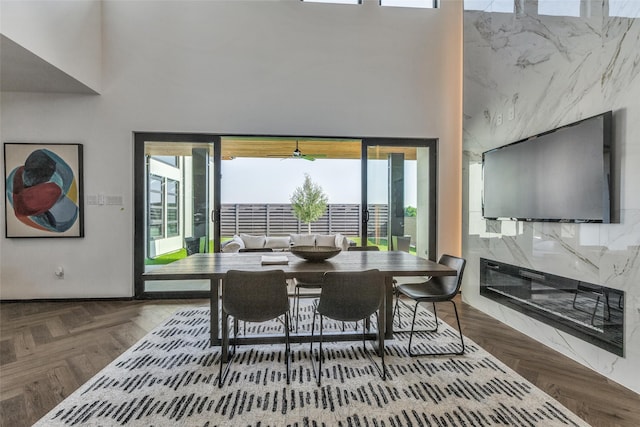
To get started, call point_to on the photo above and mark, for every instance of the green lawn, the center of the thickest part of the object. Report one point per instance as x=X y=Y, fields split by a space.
x=175 y=256
x=166 y=258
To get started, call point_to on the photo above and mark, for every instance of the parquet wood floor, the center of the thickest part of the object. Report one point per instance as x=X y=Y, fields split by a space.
x=48 y=349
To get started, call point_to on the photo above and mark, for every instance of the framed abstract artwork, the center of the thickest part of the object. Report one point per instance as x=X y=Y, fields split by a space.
x=43 y=190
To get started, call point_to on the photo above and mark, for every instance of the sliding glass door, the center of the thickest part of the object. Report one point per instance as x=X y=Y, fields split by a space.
x=175 y=206
x=399 y=185
x=194 y=191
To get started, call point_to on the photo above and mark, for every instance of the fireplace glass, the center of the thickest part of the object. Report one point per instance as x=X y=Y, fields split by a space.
x=588 y=311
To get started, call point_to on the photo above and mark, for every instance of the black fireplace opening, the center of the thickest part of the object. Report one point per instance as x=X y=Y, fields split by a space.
x=588 y=311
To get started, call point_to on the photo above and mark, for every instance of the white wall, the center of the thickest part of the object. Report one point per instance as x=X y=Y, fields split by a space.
x=66 y=34
x=263 y=67
x=553 y=70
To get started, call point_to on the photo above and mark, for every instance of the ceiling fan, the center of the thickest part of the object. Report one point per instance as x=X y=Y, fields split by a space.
x=297 y=154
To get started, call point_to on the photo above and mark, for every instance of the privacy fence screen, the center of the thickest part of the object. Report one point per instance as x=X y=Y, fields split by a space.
x=278 y=219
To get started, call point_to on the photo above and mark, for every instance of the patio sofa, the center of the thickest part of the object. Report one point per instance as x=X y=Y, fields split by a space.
x=283 y=243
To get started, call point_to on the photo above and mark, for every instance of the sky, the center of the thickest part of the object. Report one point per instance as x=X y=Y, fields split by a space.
x=247 y=180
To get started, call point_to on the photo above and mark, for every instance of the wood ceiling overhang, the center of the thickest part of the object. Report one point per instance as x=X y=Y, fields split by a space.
x=280 y=147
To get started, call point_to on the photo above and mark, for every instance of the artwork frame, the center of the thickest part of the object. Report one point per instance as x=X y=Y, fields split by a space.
x=44 y=196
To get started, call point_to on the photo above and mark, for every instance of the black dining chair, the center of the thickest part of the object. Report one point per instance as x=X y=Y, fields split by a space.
x=369 y=248
x=349 y=297
x=436 y=289
x=300 y=285
x=252 y=250
x=396 y=311
x=253 y=296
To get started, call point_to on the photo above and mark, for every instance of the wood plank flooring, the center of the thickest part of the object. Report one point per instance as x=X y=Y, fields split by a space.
x=48 y=349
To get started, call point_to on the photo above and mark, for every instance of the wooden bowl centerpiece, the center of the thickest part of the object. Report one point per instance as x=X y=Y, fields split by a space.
x=315 y=253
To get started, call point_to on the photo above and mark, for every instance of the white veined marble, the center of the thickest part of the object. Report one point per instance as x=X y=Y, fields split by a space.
x=546 y=70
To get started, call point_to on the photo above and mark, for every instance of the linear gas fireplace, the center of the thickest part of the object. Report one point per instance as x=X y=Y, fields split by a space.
x=591 y=312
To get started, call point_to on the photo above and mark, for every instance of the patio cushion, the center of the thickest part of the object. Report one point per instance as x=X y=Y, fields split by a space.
x=281 y=242
x=303 y=239
x=326 y=240
x=342 y=242
x=284 y=242
x=253 y=242
x=231 y=247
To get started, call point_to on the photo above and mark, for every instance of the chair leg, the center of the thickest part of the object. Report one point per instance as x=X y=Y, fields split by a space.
x=236 y=329
x=287 y=348
x=382 y=372
x=224 y=370
x=321 y=354
x=313 y=364
x=462 y=348
x=396 y=310
x=381 y=340
x=415 y=310
x=296 y=304
x=317 y=373
x=455 y=309
x=413 y=321
x=435 y=317
x=396 y=307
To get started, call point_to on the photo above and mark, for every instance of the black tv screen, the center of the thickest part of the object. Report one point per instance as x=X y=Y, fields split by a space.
x=562 y=175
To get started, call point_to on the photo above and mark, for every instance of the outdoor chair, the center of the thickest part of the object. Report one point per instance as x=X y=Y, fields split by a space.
x=436 y=289
x=363 y=248
x=253 y=296
x=349 y=297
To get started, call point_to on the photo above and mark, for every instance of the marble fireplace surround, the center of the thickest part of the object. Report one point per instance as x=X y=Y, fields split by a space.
x=527 y=73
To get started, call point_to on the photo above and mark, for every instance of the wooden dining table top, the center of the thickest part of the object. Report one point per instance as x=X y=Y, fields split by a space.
x=216 y=265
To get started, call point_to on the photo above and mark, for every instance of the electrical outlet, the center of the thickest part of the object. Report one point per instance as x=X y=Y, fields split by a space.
x=59 y=272
x=512 y=113
x=499 y=119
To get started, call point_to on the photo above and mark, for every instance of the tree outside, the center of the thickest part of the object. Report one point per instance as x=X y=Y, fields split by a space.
x=309 y=202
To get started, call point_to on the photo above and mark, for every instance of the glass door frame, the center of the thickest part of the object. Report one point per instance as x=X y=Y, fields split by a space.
x=140 y=208
x=432 y=144
x=140 y=198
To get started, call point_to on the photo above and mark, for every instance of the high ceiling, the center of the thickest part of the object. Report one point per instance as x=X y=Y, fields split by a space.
x=23 y=71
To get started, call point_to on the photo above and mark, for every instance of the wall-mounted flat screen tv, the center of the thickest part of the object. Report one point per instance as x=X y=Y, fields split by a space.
x=563 y=175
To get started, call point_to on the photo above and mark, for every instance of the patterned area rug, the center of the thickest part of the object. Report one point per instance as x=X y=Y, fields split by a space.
x=170 y=378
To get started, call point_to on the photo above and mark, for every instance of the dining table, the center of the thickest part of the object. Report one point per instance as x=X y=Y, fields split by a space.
x=214 y=267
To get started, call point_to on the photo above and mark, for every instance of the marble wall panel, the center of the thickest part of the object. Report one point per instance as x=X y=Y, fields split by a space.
x=549 y=71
